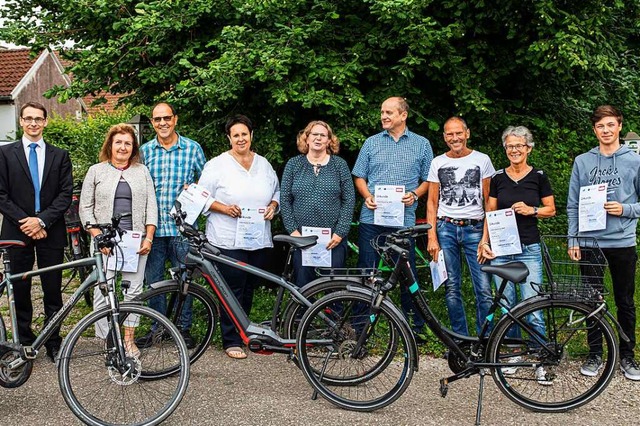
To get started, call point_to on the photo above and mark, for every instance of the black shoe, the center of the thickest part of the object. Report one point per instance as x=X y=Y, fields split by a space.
x=188 y=340
x=152 y=337
x=52 y=353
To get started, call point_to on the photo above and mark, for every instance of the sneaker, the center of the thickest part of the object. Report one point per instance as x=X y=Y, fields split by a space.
x=188 y=340
x=630 y=368
x=511 y=370
x=153 y=336
x=542 y=376
x=591 y=366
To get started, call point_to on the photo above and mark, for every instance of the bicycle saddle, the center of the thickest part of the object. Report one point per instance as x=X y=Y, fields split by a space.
x=11 y=243
x=515 y=272
x=298 y=242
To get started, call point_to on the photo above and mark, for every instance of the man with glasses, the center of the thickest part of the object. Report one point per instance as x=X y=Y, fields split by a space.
x=36 y=185
x=394 y=157
x=174 y=162
x=458 y=190
x=617 y=166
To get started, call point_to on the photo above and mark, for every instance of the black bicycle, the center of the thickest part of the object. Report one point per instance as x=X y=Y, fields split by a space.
x=104 y=379
x=77 y=243
x=537 y=370
x=387 y=362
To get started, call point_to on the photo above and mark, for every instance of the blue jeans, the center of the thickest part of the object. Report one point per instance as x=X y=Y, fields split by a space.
x=173 y=249
x=305 y=274
x=532 y=257
x=454 y=240
x=369 y=258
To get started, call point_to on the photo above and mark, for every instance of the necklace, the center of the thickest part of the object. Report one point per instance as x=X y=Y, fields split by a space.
x=317 y=163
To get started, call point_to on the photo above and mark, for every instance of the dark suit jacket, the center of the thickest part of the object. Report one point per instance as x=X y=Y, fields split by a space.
x=17 y=193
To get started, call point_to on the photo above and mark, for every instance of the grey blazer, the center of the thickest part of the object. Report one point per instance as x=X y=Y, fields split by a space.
x=99 y=191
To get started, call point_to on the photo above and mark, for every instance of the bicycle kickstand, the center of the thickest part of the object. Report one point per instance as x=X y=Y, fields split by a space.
x=480 y=389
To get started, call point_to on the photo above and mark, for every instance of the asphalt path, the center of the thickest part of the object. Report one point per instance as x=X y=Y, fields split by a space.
x=268 y=390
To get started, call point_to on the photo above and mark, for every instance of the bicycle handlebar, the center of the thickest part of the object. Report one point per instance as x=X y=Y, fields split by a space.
x=194 y=235
x=109 y=231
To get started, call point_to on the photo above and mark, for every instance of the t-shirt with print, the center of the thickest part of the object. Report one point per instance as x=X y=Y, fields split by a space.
x=530 y=190
x=460 y=182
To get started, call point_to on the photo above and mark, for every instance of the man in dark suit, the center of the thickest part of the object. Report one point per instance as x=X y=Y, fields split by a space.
x=36 y=185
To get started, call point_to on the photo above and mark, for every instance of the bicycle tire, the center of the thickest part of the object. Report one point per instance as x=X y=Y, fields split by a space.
x=96 y=391
x=347 y=381
x=315 y=290
x=205 y=313
x=563 y=387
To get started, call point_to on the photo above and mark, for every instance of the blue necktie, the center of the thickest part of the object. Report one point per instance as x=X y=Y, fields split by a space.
x=35 y=176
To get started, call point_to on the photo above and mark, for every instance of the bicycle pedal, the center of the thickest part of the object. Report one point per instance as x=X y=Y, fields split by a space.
x=29 y=352
x=444 y=387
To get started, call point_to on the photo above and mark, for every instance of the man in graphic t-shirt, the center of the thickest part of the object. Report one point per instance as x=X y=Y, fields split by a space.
x=458 y=189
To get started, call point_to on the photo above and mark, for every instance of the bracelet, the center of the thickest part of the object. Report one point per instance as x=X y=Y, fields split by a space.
x=150 y=241
x=486 y=243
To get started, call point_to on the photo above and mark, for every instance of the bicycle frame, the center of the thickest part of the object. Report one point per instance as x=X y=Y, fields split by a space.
x=248 y=330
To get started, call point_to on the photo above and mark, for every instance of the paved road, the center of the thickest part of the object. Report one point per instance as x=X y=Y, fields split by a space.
x=266 y=390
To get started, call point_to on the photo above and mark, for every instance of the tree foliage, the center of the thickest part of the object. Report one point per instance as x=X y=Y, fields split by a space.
x=544 y=64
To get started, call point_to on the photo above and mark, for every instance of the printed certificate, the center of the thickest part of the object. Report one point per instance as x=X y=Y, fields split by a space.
x=193 y=200
x=591 y=213
x=503 y=232
x=390 y=210
x=317 y=255
x=438 y=271
x=250 y=228
x=127 y=261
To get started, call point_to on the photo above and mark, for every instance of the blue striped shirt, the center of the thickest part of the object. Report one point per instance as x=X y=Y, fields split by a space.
x=171 y=170
x=383 y=161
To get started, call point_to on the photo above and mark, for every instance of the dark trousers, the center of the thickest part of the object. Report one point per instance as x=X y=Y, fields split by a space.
x=242 y=284
x=622 y=265
x=22 y=260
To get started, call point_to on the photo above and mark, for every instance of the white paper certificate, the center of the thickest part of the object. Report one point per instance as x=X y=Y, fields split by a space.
x=317 y=255
x=591 y=213
x=503 y=232
x=390 y=210
x=250 y=228
x=438 y=271
x=193 y=200
x=127 y=261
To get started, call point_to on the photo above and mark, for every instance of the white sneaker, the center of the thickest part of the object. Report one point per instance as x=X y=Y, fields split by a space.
x=511 y=370
x=541 y=376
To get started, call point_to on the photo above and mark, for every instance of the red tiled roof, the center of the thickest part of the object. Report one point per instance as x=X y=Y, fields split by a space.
x=14 y=64
x=112 y=101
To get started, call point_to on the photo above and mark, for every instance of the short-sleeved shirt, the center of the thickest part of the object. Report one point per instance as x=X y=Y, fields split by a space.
x=171 y=169
x=230 y=183
x=383 y=161
x=460 y=182
x=531 y=189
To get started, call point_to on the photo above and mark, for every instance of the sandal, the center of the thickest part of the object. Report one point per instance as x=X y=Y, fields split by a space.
x=235 y=352
x=131 y=349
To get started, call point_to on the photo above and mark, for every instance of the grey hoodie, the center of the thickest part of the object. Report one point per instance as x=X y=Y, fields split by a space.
x=622 y=171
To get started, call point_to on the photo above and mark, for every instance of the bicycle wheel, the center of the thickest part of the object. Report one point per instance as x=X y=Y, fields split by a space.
x=378 y=373
x=559 y=386
x=293 y=311
x=204 y=310
x=100 y=390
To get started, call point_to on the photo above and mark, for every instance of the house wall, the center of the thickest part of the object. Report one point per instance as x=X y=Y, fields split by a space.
x=47 y=76
x=7 y=122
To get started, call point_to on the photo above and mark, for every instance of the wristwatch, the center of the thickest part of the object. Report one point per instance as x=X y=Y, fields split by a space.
x=415 y=196
x=41 y=222
x=535 y=212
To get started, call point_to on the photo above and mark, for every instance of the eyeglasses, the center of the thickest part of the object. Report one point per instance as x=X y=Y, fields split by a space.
x=518 y=147
x=37 y=120
x=166 y=118
x=319 y=135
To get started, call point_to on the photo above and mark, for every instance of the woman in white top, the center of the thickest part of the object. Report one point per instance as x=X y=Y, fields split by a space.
x=242 y=184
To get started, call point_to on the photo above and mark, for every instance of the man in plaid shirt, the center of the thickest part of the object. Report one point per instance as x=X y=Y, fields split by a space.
x=174 y=162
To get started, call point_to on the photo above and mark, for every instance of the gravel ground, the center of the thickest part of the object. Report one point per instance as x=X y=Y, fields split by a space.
x=266 y=390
